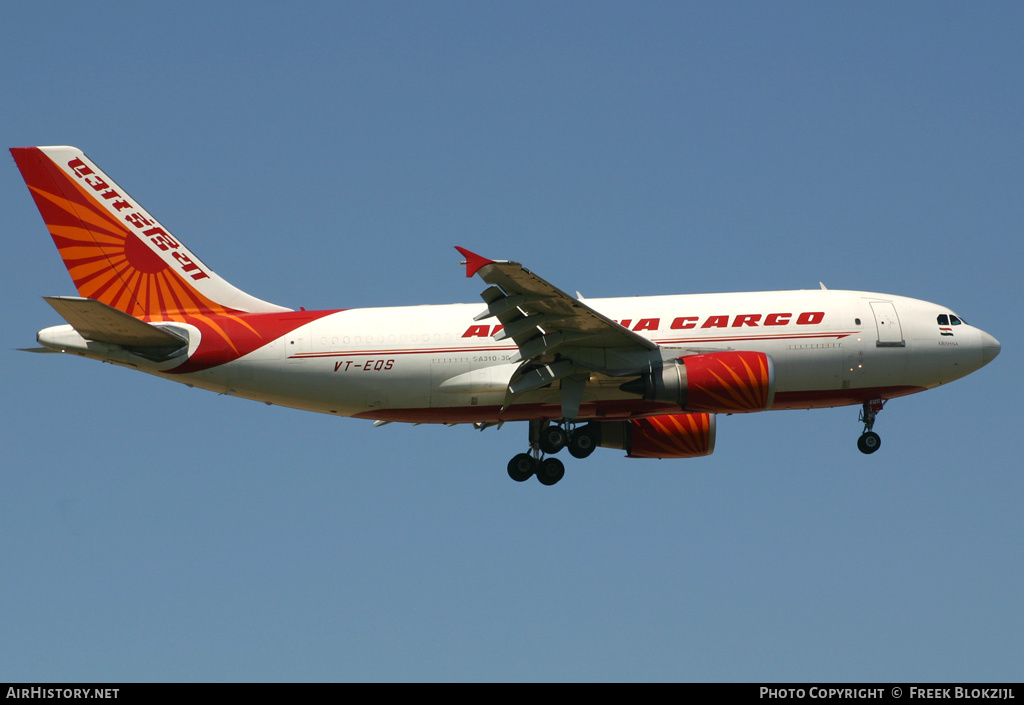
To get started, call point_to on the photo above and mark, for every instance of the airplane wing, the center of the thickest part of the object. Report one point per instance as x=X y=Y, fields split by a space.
x=558 y=337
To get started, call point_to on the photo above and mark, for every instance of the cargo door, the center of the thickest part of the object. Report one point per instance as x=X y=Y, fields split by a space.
x=890 y=334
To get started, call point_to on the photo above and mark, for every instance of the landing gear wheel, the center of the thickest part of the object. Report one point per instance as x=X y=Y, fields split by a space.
x=522 y=467
x=552 y=439
x=550 y=471
x=869 y=442
x=582 y=442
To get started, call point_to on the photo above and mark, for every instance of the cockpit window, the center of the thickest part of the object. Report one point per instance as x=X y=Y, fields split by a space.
x=954 y=320
x=943 y=319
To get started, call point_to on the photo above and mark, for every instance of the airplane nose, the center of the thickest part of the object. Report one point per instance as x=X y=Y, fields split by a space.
x=989 y=348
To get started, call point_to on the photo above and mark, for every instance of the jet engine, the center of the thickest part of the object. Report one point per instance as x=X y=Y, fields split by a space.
x=666 y=436
x=720 y=382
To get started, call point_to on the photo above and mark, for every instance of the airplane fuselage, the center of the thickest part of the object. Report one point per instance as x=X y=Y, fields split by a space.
x=434 y=363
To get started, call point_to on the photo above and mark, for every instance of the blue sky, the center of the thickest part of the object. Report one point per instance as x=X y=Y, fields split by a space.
x=331 y=154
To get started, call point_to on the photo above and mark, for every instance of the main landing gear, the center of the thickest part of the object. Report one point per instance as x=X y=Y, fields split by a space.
x=548 y=439
x=869 y=441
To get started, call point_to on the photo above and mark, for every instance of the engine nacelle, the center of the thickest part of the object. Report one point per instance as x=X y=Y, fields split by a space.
x=720 y=382
x=666 y=436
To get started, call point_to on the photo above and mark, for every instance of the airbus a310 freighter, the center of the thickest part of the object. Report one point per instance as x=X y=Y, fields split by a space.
x=646 y=374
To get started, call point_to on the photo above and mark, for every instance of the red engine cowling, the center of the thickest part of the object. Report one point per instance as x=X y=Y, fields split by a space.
x=666 y=436
x=727 y=382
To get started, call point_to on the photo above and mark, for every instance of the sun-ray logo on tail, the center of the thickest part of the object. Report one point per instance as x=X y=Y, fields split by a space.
x=117 y=253
x=106 y=255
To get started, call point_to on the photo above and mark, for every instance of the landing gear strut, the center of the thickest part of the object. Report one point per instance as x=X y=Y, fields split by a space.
x=869 y=441
x=546 y=439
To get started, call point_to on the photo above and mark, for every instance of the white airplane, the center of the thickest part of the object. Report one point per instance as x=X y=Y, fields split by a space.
x=646 y=374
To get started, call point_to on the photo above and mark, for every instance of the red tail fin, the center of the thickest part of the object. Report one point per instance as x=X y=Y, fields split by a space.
x=114 y=250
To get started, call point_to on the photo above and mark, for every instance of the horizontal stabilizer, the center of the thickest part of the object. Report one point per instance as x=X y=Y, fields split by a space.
x=94 y=320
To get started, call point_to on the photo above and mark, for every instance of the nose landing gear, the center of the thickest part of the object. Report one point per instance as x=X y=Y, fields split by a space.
x=869 y=441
